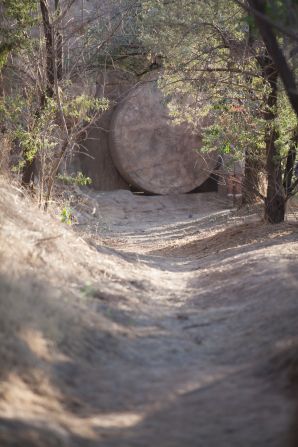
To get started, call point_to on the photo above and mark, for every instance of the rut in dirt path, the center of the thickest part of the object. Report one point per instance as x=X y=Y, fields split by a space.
x=216 y=304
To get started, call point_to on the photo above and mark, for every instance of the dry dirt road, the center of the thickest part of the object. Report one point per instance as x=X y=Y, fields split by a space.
x=167 y=322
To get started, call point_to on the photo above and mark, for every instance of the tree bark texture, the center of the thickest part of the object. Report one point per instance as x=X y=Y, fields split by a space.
x=290 y=164
x=251 y=181
x=275 y=201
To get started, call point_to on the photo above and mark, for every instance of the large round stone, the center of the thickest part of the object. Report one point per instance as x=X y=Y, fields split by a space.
x=152 y=153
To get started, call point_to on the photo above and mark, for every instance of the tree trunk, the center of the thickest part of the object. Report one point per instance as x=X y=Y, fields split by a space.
x=275 y=202
x=251 y=181
x=30 y=166
x=28 y=174
x=259 y=10
x=290 y=164
x=54 y=173
x=50 y=51
x=59 y=44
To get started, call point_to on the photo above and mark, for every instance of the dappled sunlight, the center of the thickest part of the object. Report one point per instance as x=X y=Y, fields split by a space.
x=42 y=405
x=40 y=346
x=115 y=420
x=29 y=398
x=206 y=378
x=214 y=241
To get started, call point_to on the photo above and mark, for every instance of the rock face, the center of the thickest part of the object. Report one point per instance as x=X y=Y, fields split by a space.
x=152 y=153
x=95 y=157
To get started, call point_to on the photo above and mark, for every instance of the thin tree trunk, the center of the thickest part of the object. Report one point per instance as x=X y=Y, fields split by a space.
x=50 y=51
x=30 y=166
x=54 y=173
x=251 y=181
x=59 y=45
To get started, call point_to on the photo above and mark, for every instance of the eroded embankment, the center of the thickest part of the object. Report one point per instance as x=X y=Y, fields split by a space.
x=159 y=321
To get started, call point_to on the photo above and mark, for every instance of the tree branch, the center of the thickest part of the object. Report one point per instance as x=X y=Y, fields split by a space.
x=273 y=48
x=266 y=19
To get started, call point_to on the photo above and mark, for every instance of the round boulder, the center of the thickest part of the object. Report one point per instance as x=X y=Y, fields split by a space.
x=150 y=151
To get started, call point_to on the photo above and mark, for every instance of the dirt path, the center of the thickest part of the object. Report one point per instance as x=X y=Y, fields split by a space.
x=184 y=335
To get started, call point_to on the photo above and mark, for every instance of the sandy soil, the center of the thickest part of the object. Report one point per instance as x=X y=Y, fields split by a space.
x=154 y=321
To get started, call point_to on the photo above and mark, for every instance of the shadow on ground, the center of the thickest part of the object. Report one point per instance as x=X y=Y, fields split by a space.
x=71 y=380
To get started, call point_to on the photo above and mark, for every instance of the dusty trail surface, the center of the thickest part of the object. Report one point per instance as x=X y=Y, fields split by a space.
x=168 y=322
